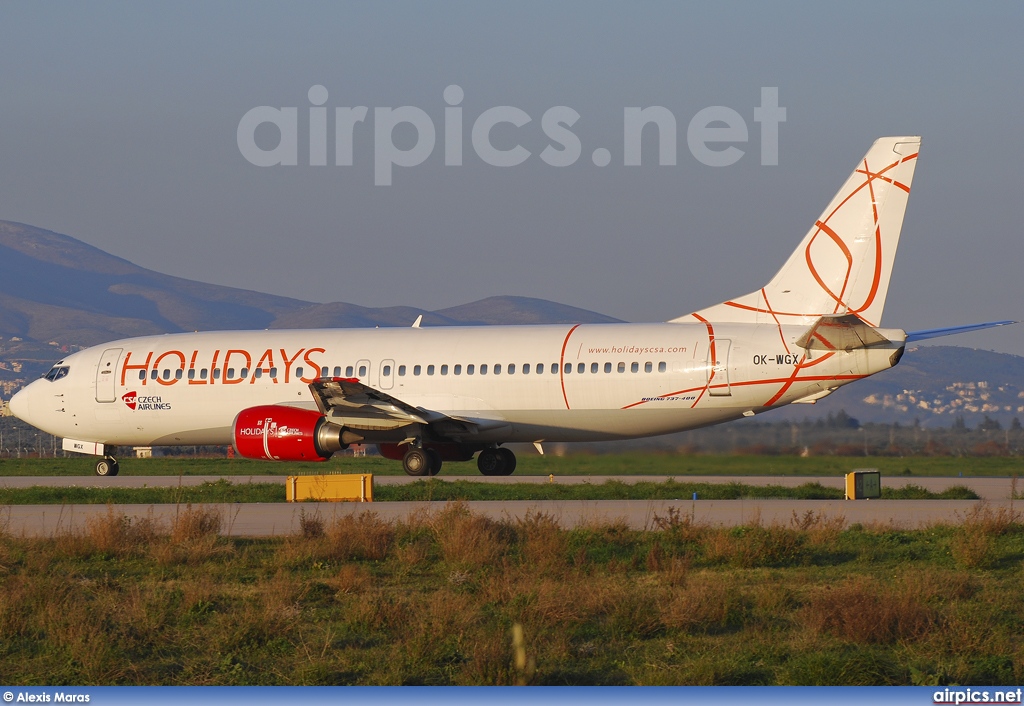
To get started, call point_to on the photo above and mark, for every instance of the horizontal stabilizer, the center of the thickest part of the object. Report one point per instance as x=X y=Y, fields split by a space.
x=840 y=332
x=937 y=332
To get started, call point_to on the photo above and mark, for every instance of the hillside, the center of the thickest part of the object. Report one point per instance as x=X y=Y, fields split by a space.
x=56 y=288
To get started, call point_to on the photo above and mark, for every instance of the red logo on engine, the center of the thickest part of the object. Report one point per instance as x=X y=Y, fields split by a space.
x=129 y=399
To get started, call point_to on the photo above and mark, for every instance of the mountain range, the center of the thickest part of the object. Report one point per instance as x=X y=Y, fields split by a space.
x=58 y=294
x=54 y=287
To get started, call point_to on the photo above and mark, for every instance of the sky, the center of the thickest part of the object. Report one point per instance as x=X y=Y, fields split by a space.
x=120 y=126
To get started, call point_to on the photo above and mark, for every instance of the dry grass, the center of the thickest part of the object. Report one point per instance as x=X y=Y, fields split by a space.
x=435 y=600
x=195 y=524
x=865 y=610
x=974 y=543
x=111 y=534
x=363 y=536
x=468 y=539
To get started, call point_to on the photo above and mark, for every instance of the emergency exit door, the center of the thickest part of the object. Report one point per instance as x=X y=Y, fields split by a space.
x=106 y=375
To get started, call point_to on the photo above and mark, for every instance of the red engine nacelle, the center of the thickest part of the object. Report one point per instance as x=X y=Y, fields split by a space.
x=279 y=433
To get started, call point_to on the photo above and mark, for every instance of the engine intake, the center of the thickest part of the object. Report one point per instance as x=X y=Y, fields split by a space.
x=279 y=433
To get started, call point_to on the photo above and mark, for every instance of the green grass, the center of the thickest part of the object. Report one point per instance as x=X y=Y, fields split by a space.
x=532 y=464
x=437 y=599
x=222 y=491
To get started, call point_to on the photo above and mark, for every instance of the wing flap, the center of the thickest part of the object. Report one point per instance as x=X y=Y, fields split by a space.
x=350 y=403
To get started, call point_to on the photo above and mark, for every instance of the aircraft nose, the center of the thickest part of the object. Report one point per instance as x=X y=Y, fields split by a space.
x=19 y=405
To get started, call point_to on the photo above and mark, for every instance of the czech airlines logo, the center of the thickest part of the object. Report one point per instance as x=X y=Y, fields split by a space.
x=134 y=402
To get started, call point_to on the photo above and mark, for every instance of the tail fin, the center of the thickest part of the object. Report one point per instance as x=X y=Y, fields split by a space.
x=844 y=262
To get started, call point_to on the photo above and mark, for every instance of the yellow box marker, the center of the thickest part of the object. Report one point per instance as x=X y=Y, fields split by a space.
x=356 y=487
x=863 y=484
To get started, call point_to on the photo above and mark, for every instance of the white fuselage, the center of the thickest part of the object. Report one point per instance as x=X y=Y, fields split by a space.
x=515 y=383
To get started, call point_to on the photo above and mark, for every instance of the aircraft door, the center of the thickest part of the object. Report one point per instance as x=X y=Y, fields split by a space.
x=718 y=369
x=106 y=375
x=387 y=374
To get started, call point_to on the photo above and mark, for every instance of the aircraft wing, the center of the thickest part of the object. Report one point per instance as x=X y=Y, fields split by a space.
x=348 y=402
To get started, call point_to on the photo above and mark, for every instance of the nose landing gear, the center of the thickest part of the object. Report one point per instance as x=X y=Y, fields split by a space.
x=107 y=466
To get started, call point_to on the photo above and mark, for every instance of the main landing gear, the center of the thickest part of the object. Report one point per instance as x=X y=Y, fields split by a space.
x=421 y=462
x=496 y=462
x=107 y=466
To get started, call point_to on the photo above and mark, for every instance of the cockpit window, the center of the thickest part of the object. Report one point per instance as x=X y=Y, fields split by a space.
x=57 y=372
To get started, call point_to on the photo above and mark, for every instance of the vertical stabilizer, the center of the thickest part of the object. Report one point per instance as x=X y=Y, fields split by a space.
x=843 y=264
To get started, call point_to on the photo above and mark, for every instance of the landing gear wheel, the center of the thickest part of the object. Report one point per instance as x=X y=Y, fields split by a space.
x=435 y=461
x=508 y=461
x=496 y=462
x=489 y=462
x=417 y=462
x=107 y=466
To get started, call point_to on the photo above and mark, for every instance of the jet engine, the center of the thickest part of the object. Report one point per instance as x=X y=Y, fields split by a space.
x=279 y=433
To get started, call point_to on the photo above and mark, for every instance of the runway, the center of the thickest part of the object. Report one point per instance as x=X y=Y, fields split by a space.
x=278 y=519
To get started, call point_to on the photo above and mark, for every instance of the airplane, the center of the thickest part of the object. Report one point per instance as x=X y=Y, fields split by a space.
x=425 y=395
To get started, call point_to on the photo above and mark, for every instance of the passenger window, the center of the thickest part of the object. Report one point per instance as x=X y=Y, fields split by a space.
x=483 y=369
x=273 y=372
x=607 y=367
x=245 y=373
x=216 y=373
x=401 y=371
x=191 y=373
x=257 y=373
x=231 y=373
x=444 y=369
x=298 y=372
x=621 y=367
x=593 y=367
x=470 y=369
x=497 y=368
x=648 y=367
x=662 y=367
x=349 y=371
x=387 y=370
x=511 y=368
x=416 y=369
x=634 y=368
x=430 y=370
x=526 y=368
x=323 y=372
x=458 y=369
x=202 y=374
x=166 y=374
x=337 y=371
x=177 y=374
x=581 y=368
x=142 y=375
x=554 y=368
x=154 y=374
x=362 y=371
